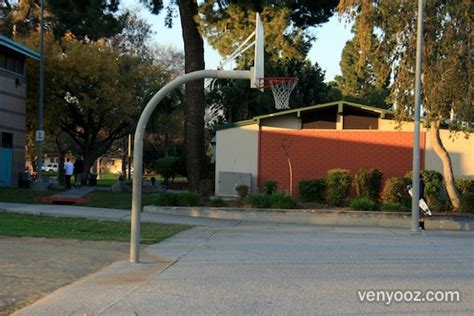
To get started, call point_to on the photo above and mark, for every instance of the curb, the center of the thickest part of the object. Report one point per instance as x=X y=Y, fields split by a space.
x=455 y=222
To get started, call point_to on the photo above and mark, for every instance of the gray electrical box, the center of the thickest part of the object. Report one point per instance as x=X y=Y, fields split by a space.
x=228 y=181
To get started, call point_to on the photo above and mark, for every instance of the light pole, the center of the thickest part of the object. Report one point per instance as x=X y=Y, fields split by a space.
x=40 y=132
x=416 y=141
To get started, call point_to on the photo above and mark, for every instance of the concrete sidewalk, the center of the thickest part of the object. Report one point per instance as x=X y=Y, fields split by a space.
x=276 y=269
x=108 y=214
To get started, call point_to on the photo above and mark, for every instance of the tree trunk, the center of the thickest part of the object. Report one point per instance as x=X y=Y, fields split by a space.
x=61 y=153
x=194 y=94
x=443 y=155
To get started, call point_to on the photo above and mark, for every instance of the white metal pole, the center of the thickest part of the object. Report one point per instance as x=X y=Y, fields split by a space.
x=416 y=141
x=138 y=144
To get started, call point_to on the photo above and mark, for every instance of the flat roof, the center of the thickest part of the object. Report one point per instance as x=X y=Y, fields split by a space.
x=340 y=104
x=19 y=48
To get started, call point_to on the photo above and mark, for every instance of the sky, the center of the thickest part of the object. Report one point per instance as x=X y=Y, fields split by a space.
x=326 y=51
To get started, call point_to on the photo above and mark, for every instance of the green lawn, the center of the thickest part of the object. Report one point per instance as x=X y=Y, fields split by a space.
x=20 y=225
x=21 y=195
x=118 y=200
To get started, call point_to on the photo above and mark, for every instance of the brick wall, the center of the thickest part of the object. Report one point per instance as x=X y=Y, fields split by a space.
x=313 y=152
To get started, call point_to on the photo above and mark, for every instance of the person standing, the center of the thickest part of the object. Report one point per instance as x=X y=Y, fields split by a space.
x=68 y=172
x=78 y=171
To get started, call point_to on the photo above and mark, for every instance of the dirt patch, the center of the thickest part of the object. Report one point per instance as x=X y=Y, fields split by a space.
x=30 y=268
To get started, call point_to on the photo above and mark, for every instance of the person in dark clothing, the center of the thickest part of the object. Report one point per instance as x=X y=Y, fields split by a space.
x=78 y=171
x=421 y=219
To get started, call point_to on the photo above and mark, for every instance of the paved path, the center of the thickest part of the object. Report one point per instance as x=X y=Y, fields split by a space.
x=108 y=214
x=74 y=192
x=271 y=269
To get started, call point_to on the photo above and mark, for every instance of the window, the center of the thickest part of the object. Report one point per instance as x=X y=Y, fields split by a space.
x=3 y=61
x=11 y=63
x=7 y=140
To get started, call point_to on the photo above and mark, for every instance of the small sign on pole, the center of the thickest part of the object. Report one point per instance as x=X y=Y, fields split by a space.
x=40 y=136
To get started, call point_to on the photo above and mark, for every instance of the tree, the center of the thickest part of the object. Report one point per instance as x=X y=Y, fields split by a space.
x=447 y=70
x=305 y=13
x=93 y=19
x=241 y=102
x=358 y=81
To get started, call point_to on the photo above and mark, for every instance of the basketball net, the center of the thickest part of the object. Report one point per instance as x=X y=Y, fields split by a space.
x=281 y=88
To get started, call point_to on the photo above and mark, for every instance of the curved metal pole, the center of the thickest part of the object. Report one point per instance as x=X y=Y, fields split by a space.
x=138 y=145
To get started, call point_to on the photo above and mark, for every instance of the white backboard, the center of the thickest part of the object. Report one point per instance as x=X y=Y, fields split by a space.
x=259 y=61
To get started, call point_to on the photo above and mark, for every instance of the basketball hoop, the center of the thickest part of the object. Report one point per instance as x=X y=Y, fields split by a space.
x=281 y=88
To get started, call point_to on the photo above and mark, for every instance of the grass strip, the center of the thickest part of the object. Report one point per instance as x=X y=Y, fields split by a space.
x=117 y=200
x=21 y=225
x=22 y=195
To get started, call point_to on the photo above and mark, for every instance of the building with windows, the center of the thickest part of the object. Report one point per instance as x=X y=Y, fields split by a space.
x=12 y=108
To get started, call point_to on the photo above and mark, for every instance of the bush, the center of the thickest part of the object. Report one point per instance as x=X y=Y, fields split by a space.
x=258 y=200
x=167 y=167
x=270 y=186
x=206 y=189
x=218 y=202
x=363 y=203
x=367 y=183
x=435 y=193
x=393 y=190
x=312 y=190
x=283 y=200
x=465 y=186
x=280 y=200
x=394 y=207
x=242 y=190
x=467 y=203
x=338 y=186
x=177 y=199
x=166 y=199
x=188 y=199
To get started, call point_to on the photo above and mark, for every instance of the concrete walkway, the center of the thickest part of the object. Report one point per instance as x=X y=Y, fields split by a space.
x=74 y=192
x=275 y=269
x=108 y=214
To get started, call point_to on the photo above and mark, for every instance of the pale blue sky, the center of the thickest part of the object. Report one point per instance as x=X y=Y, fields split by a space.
x=326 y=50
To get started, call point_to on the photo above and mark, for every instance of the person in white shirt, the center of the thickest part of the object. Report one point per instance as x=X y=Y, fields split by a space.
x=68 y=172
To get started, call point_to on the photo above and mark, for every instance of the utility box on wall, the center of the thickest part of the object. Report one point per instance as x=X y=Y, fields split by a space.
x=228 y=181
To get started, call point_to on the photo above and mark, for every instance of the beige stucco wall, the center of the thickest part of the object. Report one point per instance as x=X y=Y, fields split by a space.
x=461 y=150
x=237 y=151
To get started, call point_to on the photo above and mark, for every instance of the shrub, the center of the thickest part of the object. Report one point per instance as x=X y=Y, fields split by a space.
x=393 y=207
x=367 y=183
x=283 y=200
x=393 y=190
x=258 y=200
x=363 y=203
x=177 y=199
x=166 y=199
x=270 y=186
x=279 y=200
x=465 y=186
x=188 y=199
x=206 y=189
x=167 y=167
x=242 y=190
x=467 y=203
x=435 y=193
x=338 y=186
x=218 y=202
x=312 y=190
